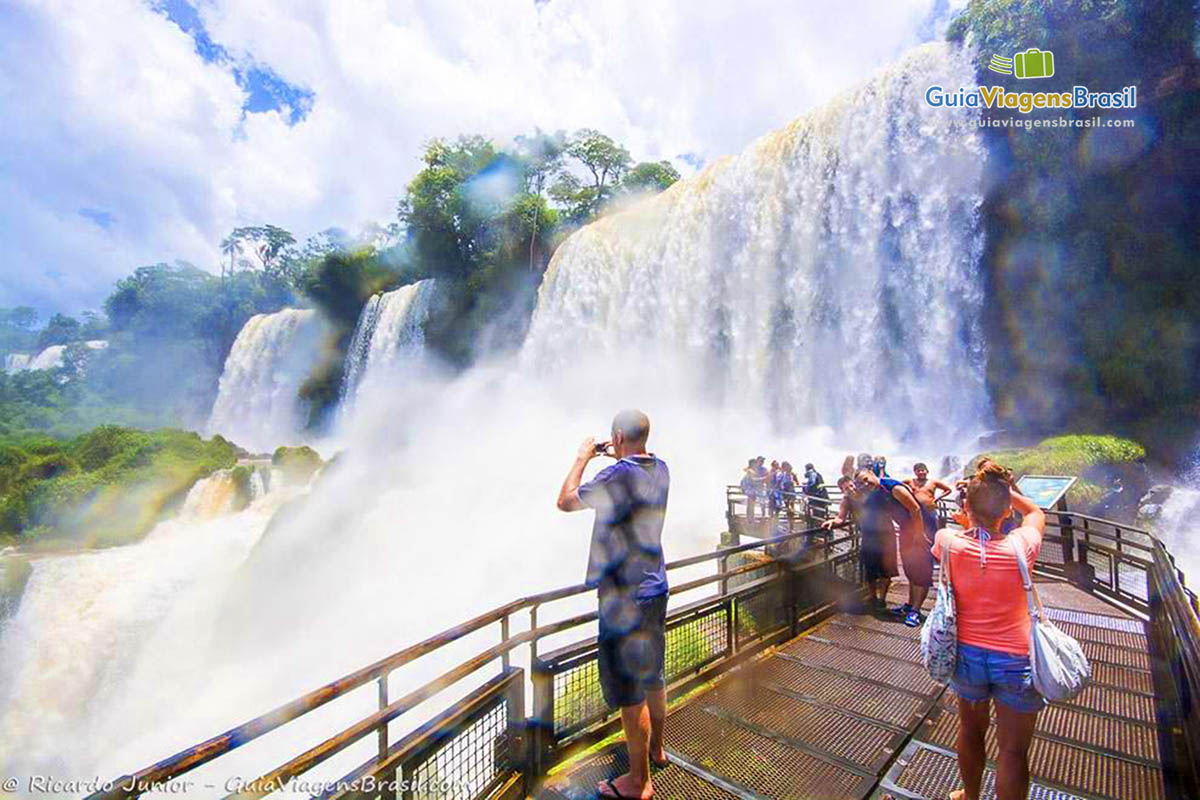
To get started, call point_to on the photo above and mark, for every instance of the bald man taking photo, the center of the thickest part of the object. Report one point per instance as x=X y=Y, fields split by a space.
x=625 y=564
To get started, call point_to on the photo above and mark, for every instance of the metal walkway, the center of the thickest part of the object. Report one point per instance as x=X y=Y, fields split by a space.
x=846 y=711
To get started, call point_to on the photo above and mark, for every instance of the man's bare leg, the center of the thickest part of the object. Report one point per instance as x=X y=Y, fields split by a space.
x=635 y=721
x=881 y=589
x=656 y=701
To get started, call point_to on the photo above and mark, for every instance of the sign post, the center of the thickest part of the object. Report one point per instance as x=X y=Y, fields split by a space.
x=1050 y=493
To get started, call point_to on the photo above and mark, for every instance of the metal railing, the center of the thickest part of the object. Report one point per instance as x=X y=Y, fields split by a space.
x=485 y=744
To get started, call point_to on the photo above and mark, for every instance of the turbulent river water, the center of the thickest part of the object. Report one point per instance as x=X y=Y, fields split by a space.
x=818 y=293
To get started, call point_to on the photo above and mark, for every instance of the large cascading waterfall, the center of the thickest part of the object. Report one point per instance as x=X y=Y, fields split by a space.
x=828 y=274
x=389 y=337
x=258 y=404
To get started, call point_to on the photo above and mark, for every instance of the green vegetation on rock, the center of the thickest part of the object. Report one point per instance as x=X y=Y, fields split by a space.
x=108 y=486
x=1097 y=460
x=296 y=463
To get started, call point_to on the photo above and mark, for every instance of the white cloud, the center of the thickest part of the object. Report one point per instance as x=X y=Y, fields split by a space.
x=108 y=107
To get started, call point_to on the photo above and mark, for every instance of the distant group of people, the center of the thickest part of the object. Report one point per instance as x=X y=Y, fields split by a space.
x=776 y=489
x=627 y=567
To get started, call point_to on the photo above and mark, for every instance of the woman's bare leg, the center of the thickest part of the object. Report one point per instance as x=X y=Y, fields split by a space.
x=973 y=724
x=1014 y=732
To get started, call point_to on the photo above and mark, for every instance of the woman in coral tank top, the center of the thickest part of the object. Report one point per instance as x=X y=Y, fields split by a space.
x=993 y=630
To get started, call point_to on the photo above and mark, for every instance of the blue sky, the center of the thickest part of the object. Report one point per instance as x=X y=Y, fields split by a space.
x=139 y=131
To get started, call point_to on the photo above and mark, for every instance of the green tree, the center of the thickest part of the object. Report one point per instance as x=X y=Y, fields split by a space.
x=17 y=333
x=579 y=202
x=271 y=246
x=95 y=326
x=601 y=156
x=61 y=329
x=542 y=156
x=20 y=317
x=650 y=176
x=446 y=226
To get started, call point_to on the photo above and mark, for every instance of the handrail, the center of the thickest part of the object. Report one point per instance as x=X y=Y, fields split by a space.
x=184 y=761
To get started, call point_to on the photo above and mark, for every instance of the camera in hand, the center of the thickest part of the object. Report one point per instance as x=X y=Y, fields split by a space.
x=601 y=448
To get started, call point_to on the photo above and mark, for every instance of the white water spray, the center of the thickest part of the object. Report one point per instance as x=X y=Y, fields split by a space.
x=258 y=404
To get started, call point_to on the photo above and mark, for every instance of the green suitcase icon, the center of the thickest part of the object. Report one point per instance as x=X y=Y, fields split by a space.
x=1034 y=63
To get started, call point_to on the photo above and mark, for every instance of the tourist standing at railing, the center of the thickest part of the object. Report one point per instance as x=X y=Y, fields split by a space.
x=772 y=490
x=626 y=565
x=851 y=507
x=786 y=489
x=749 y=485
x=814 y=489
x=993 y=626
x=890 y=503
x=914 y=548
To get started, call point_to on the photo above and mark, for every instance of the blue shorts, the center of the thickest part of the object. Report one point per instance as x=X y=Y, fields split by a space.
x=980 y=673
x=631 y=658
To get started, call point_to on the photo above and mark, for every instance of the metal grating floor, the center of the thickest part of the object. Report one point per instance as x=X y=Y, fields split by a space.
x=925 y=773
x=672 y=783
x=846 y=711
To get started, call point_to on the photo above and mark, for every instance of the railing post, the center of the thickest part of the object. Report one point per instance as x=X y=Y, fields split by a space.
x=504 y=659
x=540 y=725
x=731 y=626
x=382 y=686
x=1066 y=528
x=516 y=744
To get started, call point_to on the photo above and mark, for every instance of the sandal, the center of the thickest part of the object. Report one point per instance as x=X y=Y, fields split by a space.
x=615 y=792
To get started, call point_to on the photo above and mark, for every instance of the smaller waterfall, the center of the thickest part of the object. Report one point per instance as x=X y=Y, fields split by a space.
x=258 y=404
x=390 y=335
x=51 y=357
x=15 y=362
x=224 y=492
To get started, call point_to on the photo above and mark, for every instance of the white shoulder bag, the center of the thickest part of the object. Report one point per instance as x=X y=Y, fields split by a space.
x=1060 y=669
x=939 y=635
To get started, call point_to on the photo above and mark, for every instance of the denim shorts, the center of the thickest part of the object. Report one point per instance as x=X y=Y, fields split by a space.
x=980 y=673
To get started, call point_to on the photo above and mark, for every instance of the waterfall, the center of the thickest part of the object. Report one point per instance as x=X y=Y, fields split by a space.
x=15 y=362
x=827 y=275
x=90 y=624
x=389 y=336
x=51 y=357
x=258 y=404
x=220 y=493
